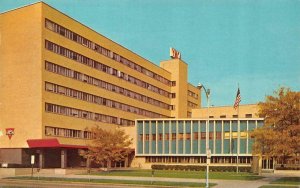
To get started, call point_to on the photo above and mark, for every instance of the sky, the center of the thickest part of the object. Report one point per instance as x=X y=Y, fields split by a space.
x=253 y=44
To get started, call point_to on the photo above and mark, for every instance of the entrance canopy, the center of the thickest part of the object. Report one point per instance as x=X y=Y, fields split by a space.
x=51 y=143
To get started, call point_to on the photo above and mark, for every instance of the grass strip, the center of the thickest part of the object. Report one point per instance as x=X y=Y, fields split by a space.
x=287 y=181
x=127 y=182
x=181 y=174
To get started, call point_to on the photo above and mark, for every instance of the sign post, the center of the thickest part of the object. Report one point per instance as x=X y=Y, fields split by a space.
x=32 y=163
x=207 y=166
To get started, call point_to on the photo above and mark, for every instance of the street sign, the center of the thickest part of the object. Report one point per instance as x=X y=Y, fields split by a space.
x=208 y=153
x=32 y=159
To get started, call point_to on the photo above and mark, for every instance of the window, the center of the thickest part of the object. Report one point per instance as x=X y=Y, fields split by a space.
x=235 y=116
x=218 y=135
x=223 y=116
x=102 y=50
x=188 y=136
x=78 y=113
x=173 y=95
x=173 y=136
x=226 y=135
x=173 y=83
x=99 y=83
x=104 y=68
x=154 y=137
x=195 y=135
x=203 y=135
x=141 y=137
x=70 y=133
x=211 y=135
x=147 y=137
x=180 y=136
x=248 y=115
x=167 y=136
x=160 y=136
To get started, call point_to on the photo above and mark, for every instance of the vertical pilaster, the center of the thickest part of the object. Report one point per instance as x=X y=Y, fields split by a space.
x=177 y=137
x=199 y=137
x=230 y=137
x=192 y=136
x=144 y=137
x=247 y=138
x=170 y=137
x=63 y=158
x=214 y=134
x=157 y=135
x=163 y=137
x=222 y=137
x=184 y=137
x=150 y=137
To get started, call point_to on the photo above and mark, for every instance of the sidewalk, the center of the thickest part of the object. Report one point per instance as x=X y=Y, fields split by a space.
x=220 y=183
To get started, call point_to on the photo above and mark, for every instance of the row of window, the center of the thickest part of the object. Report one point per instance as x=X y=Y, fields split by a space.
x=200 y=159
x=99 y=100
x=105 y=85
x=104 y=68
x=187 y=136
x=78 y=113
x=234 y=116
x=99 y=49
x=69 y=133
x=192 y=94
x=192 y=105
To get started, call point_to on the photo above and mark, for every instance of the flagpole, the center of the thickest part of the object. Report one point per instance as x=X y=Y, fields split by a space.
x=238 y=134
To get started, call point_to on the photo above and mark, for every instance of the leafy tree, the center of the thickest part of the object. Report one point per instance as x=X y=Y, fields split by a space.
x=280 y=137
x=108 y=146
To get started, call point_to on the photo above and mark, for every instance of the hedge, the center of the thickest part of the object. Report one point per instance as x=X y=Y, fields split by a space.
x=287 y=168
x=200 y=168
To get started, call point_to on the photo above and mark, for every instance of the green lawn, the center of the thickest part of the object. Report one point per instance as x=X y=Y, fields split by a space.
x=277 y=186
x=154 y=183
x=181 y=174
x=288 y=181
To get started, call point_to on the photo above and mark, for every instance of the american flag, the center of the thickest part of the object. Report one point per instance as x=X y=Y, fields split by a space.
x=237 y=99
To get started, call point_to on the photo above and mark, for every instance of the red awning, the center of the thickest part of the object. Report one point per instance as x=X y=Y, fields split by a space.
x=50 y=143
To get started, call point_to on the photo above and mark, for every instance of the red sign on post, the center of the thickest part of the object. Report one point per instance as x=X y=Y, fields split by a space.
x=10 y=132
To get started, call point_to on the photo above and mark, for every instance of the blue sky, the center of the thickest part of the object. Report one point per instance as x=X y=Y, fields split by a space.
x=253 y=43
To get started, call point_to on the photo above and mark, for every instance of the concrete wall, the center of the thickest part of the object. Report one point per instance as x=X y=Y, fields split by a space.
x=20 y=75
x=228 y=111
x=178 y=68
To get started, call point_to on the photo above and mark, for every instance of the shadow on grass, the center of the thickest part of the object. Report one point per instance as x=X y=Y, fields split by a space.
x=287 y=181
x=278 y=186
x=182 y=174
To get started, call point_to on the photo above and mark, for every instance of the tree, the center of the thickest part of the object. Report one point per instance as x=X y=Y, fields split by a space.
x=108 y=146
x=280 y=136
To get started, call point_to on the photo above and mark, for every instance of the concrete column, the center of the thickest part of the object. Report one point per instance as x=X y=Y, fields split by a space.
x=88 y=162
x=259 y=164
x=41 y=159
x=63 y=158
x=126 y=161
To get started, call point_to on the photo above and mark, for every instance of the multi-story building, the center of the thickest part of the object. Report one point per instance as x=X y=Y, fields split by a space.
x=186 y=140
x=58 y=78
